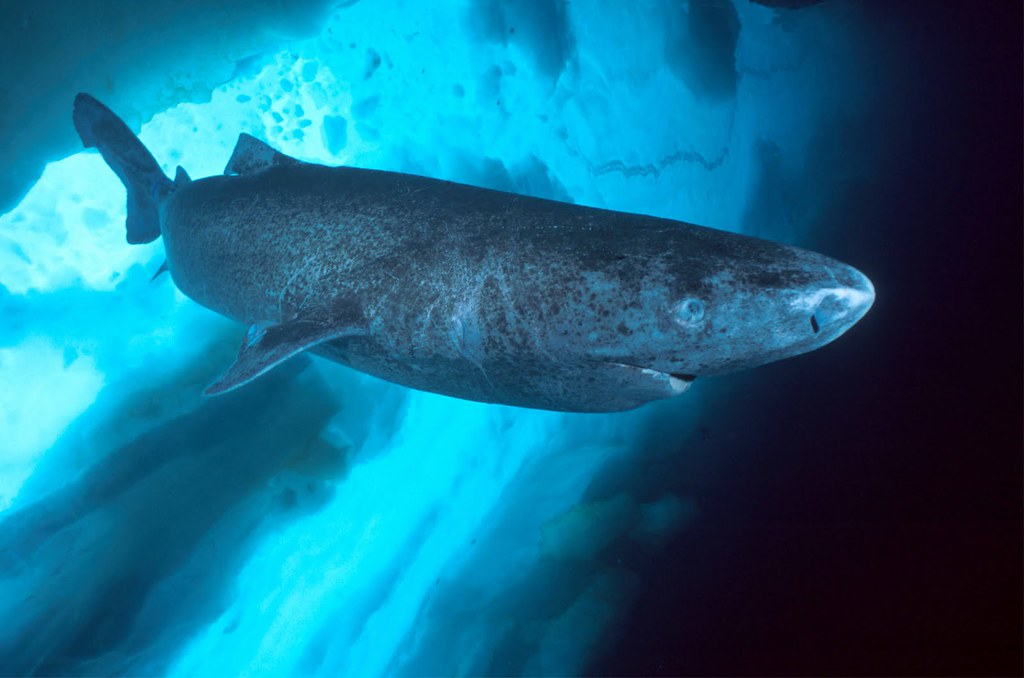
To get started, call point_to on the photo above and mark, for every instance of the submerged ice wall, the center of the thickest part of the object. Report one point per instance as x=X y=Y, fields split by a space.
x=322 y=522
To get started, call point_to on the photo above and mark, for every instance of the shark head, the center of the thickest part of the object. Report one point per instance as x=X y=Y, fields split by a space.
x=745 y=305
x=732 y=324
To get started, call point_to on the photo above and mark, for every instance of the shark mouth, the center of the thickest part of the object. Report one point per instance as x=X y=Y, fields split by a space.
x=678 y=382
x=675 y=382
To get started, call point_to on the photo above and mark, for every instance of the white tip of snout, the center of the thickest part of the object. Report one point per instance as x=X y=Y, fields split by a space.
x=867 y=295
x=839 y=306
x=858 y=297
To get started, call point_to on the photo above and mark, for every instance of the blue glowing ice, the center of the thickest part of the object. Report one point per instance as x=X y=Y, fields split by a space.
x=322 y=522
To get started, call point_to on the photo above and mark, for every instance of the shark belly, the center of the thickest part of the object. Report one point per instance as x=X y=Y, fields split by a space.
x=536 y=383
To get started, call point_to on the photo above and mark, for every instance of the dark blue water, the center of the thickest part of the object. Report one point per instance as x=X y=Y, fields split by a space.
x=870 y=522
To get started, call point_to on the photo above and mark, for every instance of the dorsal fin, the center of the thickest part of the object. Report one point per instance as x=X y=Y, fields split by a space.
x=181 y=177
x=252 y=155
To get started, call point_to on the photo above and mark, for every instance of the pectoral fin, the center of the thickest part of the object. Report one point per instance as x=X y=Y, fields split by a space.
x=162 y=269
x=265 y=347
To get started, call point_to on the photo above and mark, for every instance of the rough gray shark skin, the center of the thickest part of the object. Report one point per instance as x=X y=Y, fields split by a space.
x=470 y=292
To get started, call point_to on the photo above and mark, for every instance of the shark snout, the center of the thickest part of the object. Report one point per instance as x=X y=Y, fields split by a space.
x=837 y=307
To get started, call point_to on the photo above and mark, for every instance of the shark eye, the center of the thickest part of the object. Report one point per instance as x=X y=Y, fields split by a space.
x=689 y=311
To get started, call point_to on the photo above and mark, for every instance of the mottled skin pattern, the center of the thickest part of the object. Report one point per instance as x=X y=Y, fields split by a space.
x=496 y=297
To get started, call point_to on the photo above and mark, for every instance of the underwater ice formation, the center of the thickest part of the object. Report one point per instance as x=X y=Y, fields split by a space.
x=324 y=522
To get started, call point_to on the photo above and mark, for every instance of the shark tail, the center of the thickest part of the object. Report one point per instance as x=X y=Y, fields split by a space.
x=133 y=164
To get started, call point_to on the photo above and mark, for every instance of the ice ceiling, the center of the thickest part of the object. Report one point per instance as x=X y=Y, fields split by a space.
x=321 y=522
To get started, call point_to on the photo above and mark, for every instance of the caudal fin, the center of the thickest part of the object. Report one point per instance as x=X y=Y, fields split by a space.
x=147 y=186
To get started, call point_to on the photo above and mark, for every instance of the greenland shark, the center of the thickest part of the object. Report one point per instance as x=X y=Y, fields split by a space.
x=470 y=292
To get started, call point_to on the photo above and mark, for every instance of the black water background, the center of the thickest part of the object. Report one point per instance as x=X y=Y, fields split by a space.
x=860 y=507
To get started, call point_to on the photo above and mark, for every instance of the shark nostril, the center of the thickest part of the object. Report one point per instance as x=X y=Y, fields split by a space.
x=814 y=324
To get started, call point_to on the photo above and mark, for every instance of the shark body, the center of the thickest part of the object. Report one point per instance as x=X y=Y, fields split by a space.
x=471 y=292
